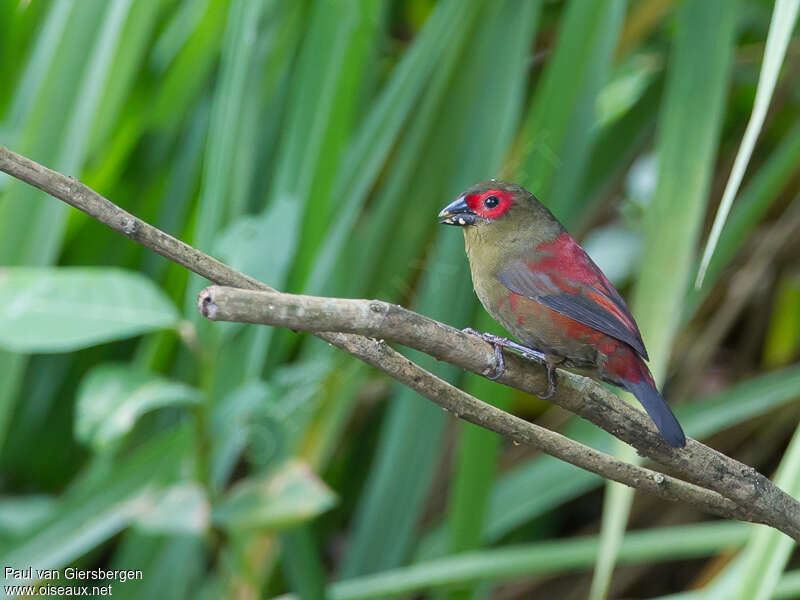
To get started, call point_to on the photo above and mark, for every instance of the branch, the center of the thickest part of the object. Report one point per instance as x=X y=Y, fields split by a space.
x=464 y=406
x=753 y=496
x=377 y=319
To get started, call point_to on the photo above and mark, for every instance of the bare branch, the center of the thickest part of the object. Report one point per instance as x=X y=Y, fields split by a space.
x=753 y=496
x=373 y=318
x=464 y=406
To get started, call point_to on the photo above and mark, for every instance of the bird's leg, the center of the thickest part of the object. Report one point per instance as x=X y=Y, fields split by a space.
x=550 y=361
x=499 y=343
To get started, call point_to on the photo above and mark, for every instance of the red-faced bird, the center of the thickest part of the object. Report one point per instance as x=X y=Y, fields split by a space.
x=535 y=280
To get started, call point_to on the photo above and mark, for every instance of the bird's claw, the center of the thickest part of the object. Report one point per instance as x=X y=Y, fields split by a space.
x=500 y=366
x=551 y=382
x=497 y=342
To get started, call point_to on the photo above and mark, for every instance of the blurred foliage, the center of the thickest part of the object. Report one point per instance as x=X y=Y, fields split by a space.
x=311 y=144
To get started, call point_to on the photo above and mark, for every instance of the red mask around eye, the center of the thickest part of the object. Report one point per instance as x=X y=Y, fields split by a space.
x=491 y=204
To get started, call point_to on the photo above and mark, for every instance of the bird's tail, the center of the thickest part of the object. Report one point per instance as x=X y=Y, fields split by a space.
x=653 y=402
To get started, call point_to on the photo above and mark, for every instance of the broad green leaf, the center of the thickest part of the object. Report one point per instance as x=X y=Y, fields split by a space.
x=112 y=397
x=101 y=505
x=285 y=497
x=65 y=309
x=56 y=133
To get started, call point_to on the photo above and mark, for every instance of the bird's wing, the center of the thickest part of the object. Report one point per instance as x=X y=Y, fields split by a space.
x=575 y=287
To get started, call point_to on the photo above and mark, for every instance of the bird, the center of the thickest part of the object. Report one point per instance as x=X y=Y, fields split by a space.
x=534 y=279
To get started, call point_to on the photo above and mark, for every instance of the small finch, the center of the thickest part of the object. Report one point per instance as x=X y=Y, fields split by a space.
x=535 y=280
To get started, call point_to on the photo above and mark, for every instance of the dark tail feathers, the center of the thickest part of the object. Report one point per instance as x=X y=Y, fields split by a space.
x=658 y=410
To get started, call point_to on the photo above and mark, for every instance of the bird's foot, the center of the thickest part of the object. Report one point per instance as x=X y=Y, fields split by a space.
x=499 y=343
x=550 y=363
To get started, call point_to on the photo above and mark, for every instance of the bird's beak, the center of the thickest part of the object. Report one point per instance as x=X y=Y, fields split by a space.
x=457 y=213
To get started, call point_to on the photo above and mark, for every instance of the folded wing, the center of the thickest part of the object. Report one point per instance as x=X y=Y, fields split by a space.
x=574 y=286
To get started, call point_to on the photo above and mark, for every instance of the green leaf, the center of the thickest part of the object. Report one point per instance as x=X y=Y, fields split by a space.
x=56 y=133
x=102 y=504
x=755 y=573
x=302 y=564
x=561 y=124
x=475 y=466
x=175 y=565
x=111 y=398
x=261 y=246
x=287 y=496
x=21 y=514
x=43 y=51
x=190 y=68
x=686 y=146
x=767 y=551
x=335 y=61
x=66 y=309
x=784 y=17
x=545 y=558
x=417 y=82
x=182 y=508
x=130 y=54
x=782 y=343
x=511 y=503
x=231 y=420
x=392 y=503
x=213 y=212
x=762 y=190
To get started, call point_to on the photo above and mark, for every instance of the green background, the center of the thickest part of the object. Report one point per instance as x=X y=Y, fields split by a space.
x=310 y=144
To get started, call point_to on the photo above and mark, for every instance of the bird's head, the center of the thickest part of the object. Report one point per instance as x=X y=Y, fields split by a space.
x=485 y=203
x=499 y=216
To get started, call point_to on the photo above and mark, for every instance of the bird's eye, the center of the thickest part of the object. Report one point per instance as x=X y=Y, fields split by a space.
x=491 y=202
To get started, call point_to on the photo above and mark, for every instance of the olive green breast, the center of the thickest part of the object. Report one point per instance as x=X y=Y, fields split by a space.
x=490 y=248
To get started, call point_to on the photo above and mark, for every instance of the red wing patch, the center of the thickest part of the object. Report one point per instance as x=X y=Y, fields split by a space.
x=563 y=278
